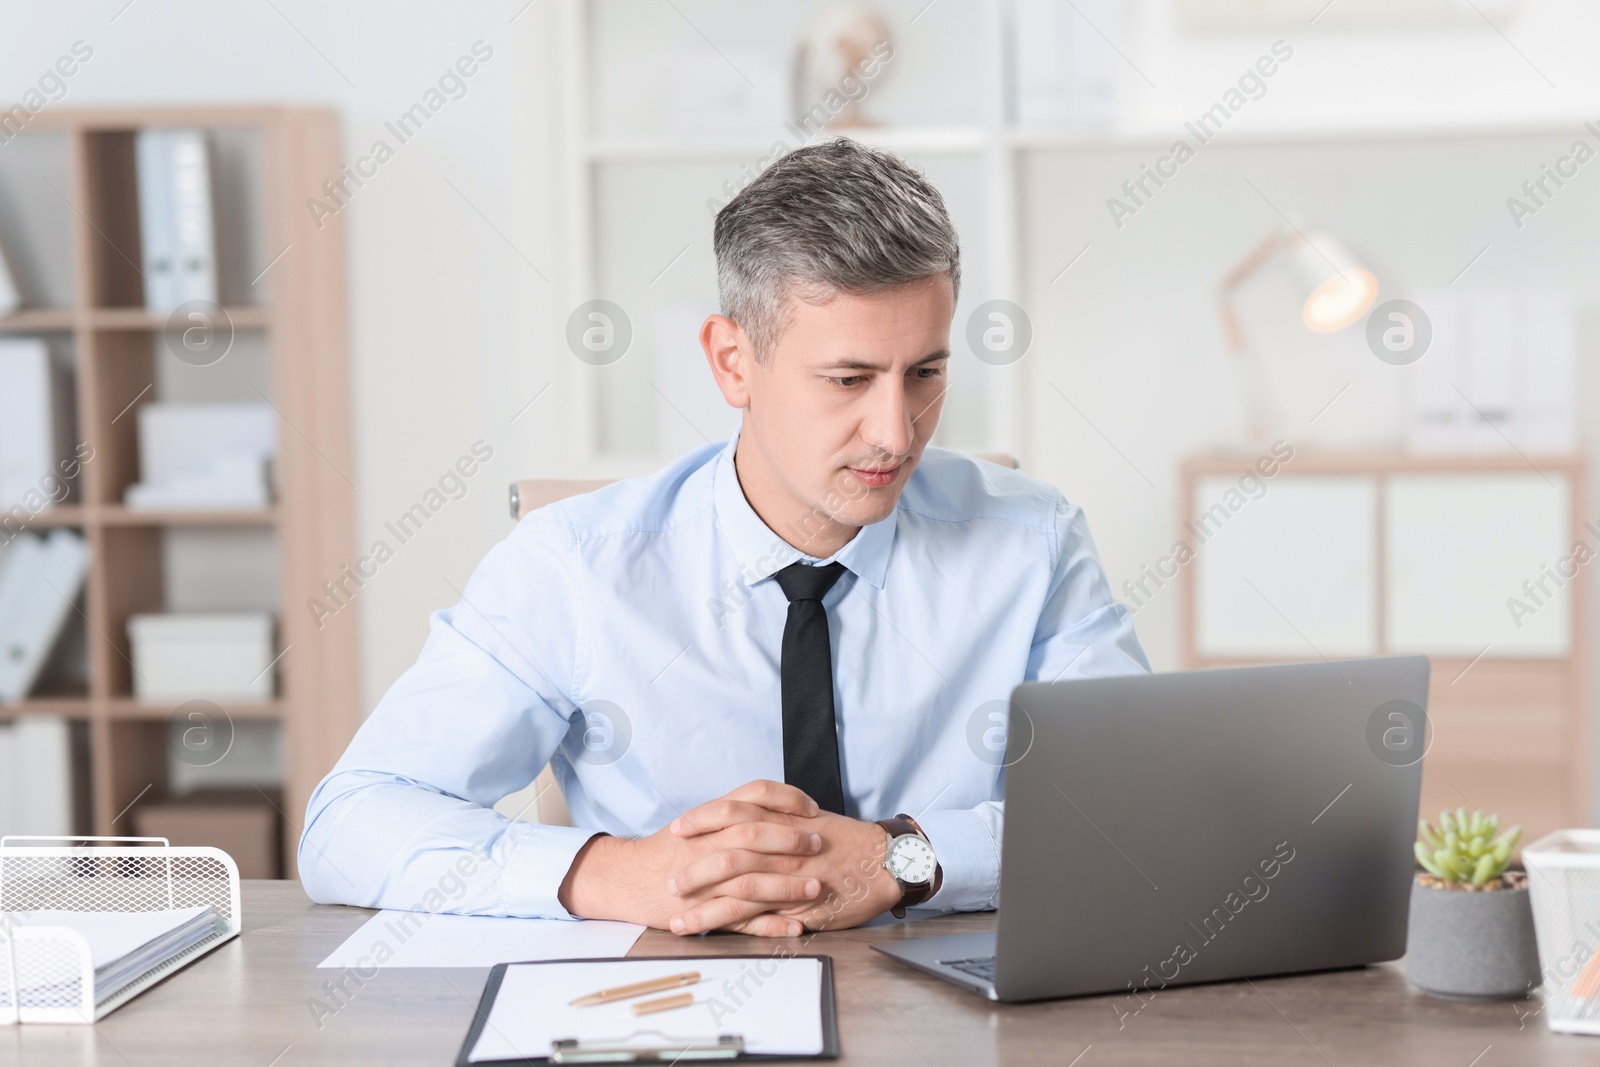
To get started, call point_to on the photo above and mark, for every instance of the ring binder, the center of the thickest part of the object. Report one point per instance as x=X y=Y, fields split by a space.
x=47 y=973
x=675 y=1050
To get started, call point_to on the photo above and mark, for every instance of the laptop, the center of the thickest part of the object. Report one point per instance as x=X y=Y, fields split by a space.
x=1198 y=826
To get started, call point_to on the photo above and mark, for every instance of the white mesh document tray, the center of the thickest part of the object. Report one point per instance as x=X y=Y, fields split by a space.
x=47 y=972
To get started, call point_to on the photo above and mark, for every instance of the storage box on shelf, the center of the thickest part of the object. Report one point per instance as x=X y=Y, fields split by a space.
x=280 y=286
x=244 y=824
x=192 y=656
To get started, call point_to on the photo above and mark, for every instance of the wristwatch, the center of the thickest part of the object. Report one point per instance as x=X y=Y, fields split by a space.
x=911 y=862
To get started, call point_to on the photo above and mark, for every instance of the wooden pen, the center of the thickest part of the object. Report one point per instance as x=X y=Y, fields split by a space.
x=650 y=1007
x=637 y=989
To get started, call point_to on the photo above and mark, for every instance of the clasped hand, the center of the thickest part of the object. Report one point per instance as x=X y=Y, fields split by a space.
x=761 y=860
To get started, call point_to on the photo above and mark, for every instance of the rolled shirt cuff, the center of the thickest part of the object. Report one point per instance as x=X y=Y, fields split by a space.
x=968 y=849
x=536 y=864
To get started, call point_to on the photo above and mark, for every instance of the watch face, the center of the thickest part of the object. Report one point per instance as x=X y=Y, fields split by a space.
x=911 y=860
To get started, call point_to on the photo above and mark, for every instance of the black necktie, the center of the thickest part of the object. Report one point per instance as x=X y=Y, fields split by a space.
x=810 y=732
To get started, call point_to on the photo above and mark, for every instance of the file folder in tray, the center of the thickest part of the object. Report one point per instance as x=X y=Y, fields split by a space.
x=47 y=973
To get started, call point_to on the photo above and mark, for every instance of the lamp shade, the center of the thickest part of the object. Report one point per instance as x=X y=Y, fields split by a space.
x=1341 y=290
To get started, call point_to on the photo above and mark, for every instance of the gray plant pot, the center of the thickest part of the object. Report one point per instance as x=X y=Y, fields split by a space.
x=1472 y=945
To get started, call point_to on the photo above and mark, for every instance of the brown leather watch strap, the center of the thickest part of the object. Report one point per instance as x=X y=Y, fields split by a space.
x=900 y=826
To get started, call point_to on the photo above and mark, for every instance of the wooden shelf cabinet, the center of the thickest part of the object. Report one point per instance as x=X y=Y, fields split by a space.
x=281 y=279
x=1340 y=555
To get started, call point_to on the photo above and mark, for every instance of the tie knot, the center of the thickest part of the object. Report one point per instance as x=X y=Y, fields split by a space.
x=801 y=581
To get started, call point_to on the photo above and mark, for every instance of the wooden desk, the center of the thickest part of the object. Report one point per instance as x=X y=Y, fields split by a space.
x=246 y=1005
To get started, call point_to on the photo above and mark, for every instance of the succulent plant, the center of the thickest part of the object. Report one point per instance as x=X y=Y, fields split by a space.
x=1465 y=849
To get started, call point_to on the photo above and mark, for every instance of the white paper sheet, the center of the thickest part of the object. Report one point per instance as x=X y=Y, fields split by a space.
x=421 y=939
x=111 y=934
x=774 y=1003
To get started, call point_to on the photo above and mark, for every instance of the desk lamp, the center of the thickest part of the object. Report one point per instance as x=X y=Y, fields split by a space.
x=1339 y=291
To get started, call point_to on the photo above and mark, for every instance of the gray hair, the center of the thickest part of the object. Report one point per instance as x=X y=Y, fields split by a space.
x=824 y=219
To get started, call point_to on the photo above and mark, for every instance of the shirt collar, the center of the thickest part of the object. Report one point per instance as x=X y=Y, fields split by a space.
x=762 y=553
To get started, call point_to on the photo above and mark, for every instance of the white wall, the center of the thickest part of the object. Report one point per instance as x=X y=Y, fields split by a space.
x=1461 y=73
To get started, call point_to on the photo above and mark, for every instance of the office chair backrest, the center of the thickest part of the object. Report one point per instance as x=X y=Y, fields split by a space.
x=529 y=494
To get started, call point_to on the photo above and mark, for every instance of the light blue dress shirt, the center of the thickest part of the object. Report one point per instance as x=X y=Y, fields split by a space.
x=631 y=638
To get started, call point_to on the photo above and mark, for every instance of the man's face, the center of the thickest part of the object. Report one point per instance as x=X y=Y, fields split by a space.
x=847 y=401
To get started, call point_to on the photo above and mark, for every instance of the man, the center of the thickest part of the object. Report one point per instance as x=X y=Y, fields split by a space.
x=739 y=665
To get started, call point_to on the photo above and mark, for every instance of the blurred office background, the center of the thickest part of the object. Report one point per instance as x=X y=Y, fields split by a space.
x=1184 y=344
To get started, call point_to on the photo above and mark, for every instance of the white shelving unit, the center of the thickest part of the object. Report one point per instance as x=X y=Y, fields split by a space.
x=639 y=228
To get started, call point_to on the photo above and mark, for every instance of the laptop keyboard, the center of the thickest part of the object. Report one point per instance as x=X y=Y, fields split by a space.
x=978 y=966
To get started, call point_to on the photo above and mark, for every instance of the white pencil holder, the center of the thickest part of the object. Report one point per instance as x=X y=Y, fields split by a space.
x=1564 y=885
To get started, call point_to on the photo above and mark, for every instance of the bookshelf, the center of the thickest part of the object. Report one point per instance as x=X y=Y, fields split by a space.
x=69 y=220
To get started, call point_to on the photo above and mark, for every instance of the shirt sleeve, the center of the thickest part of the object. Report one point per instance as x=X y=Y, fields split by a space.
x=967 y=842
x=406 y=818
x=1082 y=633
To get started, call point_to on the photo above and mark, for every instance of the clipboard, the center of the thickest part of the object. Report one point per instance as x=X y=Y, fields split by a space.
x=707 y=1048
